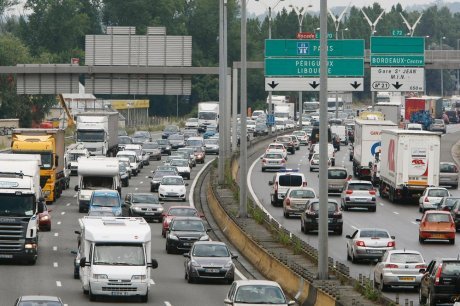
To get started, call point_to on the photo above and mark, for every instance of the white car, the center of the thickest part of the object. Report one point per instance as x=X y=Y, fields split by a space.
x=431 y=197
x=301 y=136
x=251 y=125
x=141 y=155
x=256 y=292
x=133 y=160
x=192 y=123
x=314 y=162
x=172 y=187
x=277 y=147
x=182 y=166
x=273 y=160
x=279 y=125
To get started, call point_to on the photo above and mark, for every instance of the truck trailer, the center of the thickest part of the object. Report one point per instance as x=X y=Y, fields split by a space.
x=409 y=163
x=208 y=114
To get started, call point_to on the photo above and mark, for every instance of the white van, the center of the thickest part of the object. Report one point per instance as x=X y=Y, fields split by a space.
x=330 y=152
x=133 y=160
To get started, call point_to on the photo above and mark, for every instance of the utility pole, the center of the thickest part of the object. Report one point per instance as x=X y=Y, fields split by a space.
x=222 y=83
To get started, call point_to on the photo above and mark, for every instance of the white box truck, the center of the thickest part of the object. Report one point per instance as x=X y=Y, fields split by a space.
x=367 y=143
x=96 y=172
x=283 y=111
x=208 y=114
x=98 y=132
x=409 y=162
x=21 y=201
x=390 y=110
x=115 y=257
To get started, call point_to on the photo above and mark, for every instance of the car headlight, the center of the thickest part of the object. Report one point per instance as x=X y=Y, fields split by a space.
x=137 y=208
x=99 y=276
x=204 y=238
x=228 y=265
x=44 y=218
x=138 y=278
x=173 y=237
x=160 y=209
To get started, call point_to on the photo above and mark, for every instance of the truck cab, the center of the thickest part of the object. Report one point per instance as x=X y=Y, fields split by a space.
x=71 y=159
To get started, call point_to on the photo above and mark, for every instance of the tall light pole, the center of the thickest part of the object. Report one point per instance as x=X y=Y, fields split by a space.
x=346 y=29
x=222 y=96
x=458 y=75
x=442 y=70
x=426 y=37
x=270 y=105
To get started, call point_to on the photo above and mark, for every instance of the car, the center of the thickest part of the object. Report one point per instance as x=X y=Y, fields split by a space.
x=166 y=168
x=287 y=142
x=369 y=243
x=314 y=162
x=141 y=155
x=277 y=147
x=337 y=178
x=177 y=211
x=167 y=161
x=436 y=225
x=105 y=203
x=258 y=113
x=172 y=187
x=448 y=203
x=124 y=175
x=144 y=205
x=189 y=133
x=455 y=212
x=169 y=130
x=134 y=162
x=309 y=217
x=282 y=181
x=289 y=124
x=140 y=137
x=211 y=130
x=165 y=146
x=272 y=161
x=330 y=152
x=182 y=166
x=280 y=125
x=438 y=125
x=336 y=141
x=302 y=136
x=191 y=155
x=296 y=200
x=448 y=174
x=125 y=162
x=42 y=300
x=399 y=268
x=261 y=129
x=256 y=292
x=211 y=146
x=158 y=176
x=183 y=232
x=251 y=125
x=209 y=260
x=197 y=141
x=431 y=197
x=192 y=123
x=452 y=115
x=296 y=141
x=153 y=150
x=360 y=194
x=200 y=154
x=123 y=141
x=44 y=219
x=177 y=141
x=439 y=281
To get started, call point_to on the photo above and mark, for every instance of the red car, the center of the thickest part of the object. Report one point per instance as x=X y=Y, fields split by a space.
x=174 y=211
x=44 y=219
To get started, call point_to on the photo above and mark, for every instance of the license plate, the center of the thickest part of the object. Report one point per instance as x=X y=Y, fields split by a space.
x=149 y=213
x=119 y=293
x=360 y=200
x=172 y=193
x=406 y=278
x=438 y=236
x=6 y=256
x=212 y=270
x=374 y=251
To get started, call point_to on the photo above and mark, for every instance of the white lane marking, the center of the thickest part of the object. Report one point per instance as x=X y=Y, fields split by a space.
x=63 y=213
x=68 y=204
x=59 y=223
x=192 y=188
x=55 y=264
x=146 y=177
x=167 y=303
x=141 y=182
x=136 y=188
x=353 y=227
x=240 y=275
x=75 y=195
x=251 y=190
x=58 y=283
x=413 y=222
x=56 y=234
x=381 y=204
x=396 y=213
x=152 y=282
x=55 y=248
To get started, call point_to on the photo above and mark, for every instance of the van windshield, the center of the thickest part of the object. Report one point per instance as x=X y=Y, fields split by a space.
x=103 y=200
x=337 y=174
x=119 y=254
x=290 y=180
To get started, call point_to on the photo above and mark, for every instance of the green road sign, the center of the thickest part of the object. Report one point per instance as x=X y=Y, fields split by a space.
x=397 y=32
x=311 y=48
x=397 y=45
x=329 y=35
x=397 y=60
x=345 y=67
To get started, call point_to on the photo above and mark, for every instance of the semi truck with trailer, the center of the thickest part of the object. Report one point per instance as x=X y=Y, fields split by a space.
x=409 y=162
x=115 y=257
x=367 y=143
x=21 y=201
x=98 y=132
x=208 y=114
x=96 y=172
x=49 y=144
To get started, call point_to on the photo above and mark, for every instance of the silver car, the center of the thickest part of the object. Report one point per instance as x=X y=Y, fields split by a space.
x=272 y=161
x=211 y=146
x=431 y=197
x=369 y=243
x=399 y=268
x=448 y=174
x=438 y=125
x=296 y=200
x=152 y=149
x=359 y=194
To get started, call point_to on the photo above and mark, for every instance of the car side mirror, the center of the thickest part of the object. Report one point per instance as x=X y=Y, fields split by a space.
x=83 y=262
x=77 y=188
x=393 y=237
x=77 y=232
x=234 y=256
x=270 y=183
x=208 y=230
x=73 y=252
x=150 y=176
x=418 y=220
x=153 y=264
x=40 y=207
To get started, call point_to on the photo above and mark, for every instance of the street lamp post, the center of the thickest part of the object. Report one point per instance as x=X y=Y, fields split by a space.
x=458 y=75
x=426 y=37
x=442 y=70
x=346 y=29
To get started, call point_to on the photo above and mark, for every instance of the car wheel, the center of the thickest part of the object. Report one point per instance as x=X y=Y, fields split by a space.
x=353 y=258
x=145 y=298
x=431 y=301
x=286 y=214
x=420 y=209
x=455 y=186
x=372 y=209
x=348 y=255
x=263 y=169
x=302 y=228
x=382 y=286
x=92 y=297
x=163 y=233
x=421 y=297
x=345 y=208
x=152 y=189
x=184 y=199
x=421 y=240
x=452 y=241
x=168 y=249
x=311 y=169
x=230 y=280
x=158 y=158
x=339 y=232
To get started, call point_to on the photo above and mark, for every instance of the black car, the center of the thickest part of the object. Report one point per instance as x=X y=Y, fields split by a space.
x=453 y=116
x=157 y=177
x=309 y=218
x=164 y=145
x=260 y=130
x=287 y=142
x=183 y=232
x=144 y=205
x=170 y=130
x=440 y=282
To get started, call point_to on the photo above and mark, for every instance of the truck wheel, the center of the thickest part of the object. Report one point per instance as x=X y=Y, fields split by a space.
x=145 y=298
x=391 y=195
x=92 y=297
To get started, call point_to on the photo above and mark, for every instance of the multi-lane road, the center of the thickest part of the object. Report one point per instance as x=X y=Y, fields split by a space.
x=399 y=219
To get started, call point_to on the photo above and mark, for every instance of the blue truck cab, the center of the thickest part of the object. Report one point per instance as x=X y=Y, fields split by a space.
x=105 y=203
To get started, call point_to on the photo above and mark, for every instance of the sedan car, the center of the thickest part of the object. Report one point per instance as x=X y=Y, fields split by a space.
x=431 y=197
x=183 y=232
x=182 y=166
x=141 y=136
x=169 y=130
x=177 y=211
x=296 y=199
x=158 y=176
x=436 y=225
x=211 y=146
x=192 y=123
x=32 y=300
x=153 y=149
x=272 y=161
x=399 y=268
x=448 y=174
x=302 y=136
x=172 y=187
x=359 y=194
x=438 y=125
x=165 y=146
x=44 y=219
x=209 y=260
x=177 y=141
x=256 y=292
x=287 y=142
x=277 y=147
x=144 y=205
x=369 y=243
x=309 y=217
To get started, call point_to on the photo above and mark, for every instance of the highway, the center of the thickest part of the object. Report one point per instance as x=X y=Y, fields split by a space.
x=53 y=272
x=399 y=219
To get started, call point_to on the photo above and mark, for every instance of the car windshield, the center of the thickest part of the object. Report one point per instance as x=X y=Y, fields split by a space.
x=187 y=225
x=451 y=268
x=336 y=174
x=210 y=250
x=104 y=200
x=172 y=181
x=290 y=180
x=182 y=212
x=273 y=156
x=372 y=233
x=448 y=168
x=145 y=198
x=119 y=254
x=302 y=194
x=130 y=157
x=192 y=120
x=150 y=145
x=360 y=186
x=40 y=302
x=450 y=202
x=160 y=174
x=438 y=218
x=438 y=121
x=276 y=147
x=259 y=294
x=162 y=142
x=284 y=139
x=97 y=182
x=171 y=129
x=331 y=206
x=207 y=115
x=439 y=193
x=143 y=134
x=406 y=258
x=176 y=137
x=211 y=141
x=179 y=163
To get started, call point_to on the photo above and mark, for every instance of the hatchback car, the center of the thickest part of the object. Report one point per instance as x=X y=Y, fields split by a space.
x=177 y=141
x=177 y=211
x=436 y=225
x=287 y=142
x=399 y=268
x=33 y=300
x=182 y=166
x=314 y=162
x=336 y=179
x=296 y=200
x=210 y=260
x=272 y=161
x=169 y=130
x=309 y=217
x=141 y=137
x=369 y=243
x=105 y=203
x=152 y=149
x=158 y=176
x=44 y=219
x=359 y=194
x=123 y=141
x=302 y=136
x=200 y=154
x=438 y=125
x=439 y=283
x=431 y=197
x=172 y=188
x=211 y=146
x=165 y=146
x=296 y=141
x=144 y=205
x=183 y=232
x=448 y=174
x=256 y=292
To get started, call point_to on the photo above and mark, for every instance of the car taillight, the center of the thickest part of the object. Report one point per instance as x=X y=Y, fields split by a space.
x=391 y=266
x=337 y=213
x=264 y=160
x=426 y=199
x=360 y=243
x=304 y=184
x=372 y=192
x=391 y=244
x=420 y=267
x=288 y=202
x=311 y=213
x=283 y=161
x=349 y=191
x=438 y=275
